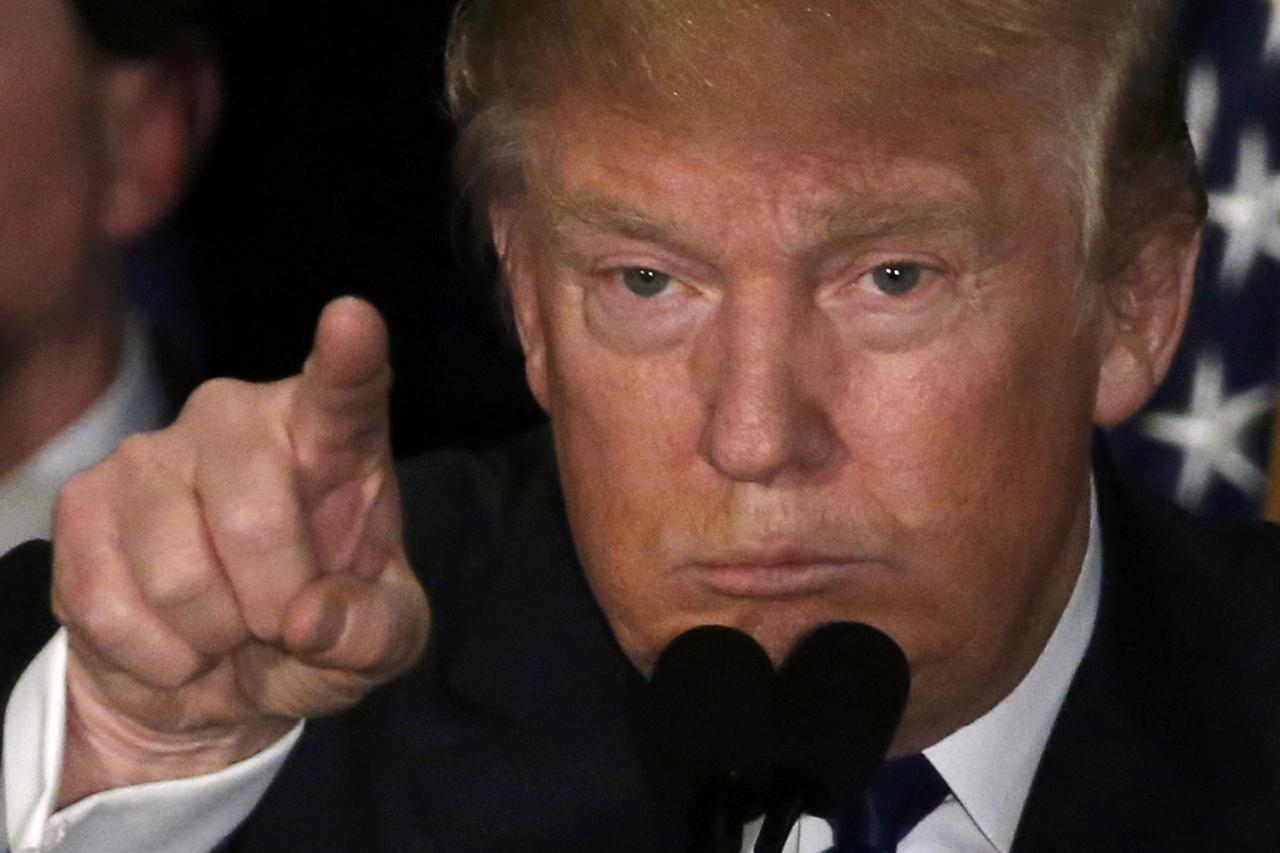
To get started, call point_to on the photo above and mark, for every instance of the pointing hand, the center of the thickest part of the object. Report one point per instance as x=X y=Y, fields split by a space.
x=237 y=571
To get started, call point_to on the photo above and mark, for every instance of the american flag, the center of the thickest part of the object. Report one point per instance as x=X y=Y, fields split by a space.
x=1206 y=438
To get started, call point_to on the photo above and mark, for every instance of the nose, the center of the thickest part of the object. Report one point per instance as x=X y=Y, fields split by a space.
x=762 y=369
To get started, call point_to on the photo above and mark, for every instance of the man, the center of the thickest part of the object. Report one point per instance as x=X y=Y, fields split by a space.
x=104 y=114
x=824 y=301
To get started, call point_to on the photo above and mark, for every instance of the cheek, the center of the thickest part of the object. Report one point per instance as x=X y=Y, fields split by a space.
x=973 y=454
x=959 y=423
x=997 y=408
x=626 y=430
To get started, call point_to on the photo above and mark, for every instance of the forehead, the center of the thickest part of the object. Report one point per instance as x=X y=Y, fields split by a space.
x=818 y=118
x=950 y=167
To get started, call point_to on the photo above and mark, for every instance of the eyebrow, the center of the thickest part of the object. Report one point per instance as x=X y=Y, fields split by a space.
x=870 y=218
x=960 y=218
x=601 y=213
x=846 y=223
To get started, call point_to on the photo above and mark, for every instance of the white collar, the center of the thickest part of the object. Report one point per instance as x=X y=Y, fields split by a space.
x=990 y=763
x=132 y=403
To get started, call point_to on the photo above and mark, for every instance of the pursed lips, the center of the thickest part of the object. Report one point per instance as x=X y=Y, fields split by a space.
x=776 y=573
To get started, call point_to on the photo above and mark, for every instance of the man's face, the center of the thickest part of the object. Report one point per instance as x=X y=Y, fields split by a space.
x=852 y=380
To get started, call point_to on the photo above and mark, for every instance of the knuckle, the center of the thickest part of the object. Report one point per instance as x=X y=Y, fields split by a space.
x=73 y=595
x=82 y=495
x=143 y=459
x=183 y=578
x=263 y=618
x=78 y=590
x=213 y=396
x=106 y=624
x=136 y=450
x=229 y=410
x=255 y=523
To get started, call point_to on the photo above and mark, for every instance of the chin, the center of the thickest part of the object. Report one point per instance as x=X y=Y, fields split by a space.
x=779 y=635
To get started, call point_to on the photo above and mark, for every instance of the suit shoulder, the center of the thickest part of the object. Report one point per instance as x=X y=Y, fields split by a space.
x=439 y=482
x=1240 y=555
x=457 y=505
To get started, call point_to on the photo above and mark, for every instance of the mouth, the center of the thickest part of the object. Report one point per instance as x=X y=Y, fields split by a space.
x=778 y=574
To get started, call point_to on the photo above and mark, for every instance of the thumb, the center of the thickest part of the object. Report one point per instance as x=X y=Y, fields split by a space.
x=374 y=627
x=339 y=421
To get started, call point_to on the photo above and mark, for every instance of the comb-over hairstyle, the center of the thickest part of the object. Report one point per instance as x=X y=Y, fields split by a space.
x=139 y=28
x=1100 y=75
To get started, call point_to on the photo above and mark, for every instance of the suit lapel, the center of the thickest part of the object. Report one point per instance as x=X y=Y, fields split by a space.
x=1163 y=741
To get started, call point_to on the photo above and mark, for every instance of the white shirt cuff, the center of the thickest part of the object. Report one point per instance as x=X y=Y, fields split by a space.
x=186 y=815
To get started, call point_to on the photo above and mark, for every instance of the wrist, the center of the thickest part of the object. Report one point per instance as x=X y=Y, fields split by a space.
x=105 y=749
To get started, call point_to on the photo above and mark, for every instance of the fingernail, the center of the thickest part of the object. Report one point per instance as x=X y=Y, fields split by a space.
x=329 y=627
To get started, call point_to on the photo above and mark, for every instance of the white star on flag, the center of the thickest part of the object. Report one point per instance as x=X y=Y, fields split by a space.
x=1212 y=433
x=1272 y=49
x=1249 y=212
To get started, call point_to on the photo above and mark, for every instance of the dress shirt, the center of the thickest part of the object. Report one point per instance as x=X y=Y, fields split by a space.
x=186 y=816
x=988 y=765
x=134 y=402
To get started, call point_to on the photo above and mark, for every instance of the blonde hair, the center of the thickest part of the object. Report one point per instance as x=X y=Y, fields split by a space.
x=1100 y=71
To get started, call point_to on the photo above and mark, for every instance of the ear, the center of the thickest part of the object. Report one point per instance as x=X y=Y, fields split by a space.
x=1145 y=311
x=517 y=266
x=157 y=117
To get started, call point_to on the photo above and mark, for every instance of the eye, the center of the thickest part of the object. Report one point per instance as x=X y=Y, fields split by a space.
x=645 y=283
x=898 y=278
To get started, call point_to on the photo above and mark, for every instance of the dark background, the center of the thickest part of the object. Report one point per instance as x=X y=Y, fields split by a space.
x=330 y=176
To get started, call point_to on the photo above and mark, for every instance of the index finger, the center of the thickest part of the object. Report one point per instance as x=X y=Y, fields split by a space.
x=339 y=420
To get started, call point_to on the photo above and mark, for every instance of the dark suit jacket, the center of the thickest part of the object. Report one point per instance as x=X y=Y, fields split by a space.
x=513 y=734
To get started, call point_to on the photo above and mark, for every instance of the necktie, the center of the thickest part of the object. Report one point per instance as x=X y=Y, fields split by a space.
x=904 y=792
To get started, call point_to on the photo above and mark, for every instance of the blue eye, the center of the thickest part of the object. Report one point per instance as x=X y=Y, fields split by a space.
x=644 y=282
x=898 y=279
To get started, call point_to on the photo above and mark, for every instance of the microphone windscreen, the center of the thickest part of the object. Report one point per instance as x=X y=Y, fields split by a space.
x=840 y=696
x=708 y=705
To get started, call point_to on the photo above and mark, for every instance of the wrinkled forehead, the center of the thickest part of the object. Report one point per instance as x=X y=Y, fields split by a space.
x=897 y=154
x=593 y=170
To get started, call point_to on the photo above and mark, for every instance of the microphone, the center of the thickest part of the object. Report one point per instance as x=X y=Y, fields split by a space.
x=718 y=728
x=839 y=697
x=705 y=725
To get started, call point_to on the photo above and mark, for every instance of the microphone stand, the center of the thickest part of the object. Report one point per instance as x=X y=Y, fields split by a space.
x=778 y=822
x=718 y=824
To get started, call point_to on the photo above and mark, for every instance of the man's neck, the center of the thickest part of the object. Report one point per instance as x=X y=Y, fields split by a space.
x=929 y=722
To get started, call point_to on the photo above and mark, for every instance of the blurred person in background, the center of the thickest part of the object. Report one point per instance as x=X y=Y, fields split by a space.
x=105 y=106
